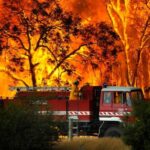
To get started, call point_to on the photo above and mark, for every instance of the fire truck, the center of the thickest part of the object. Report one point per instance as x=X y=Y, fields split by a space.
x=97 y=110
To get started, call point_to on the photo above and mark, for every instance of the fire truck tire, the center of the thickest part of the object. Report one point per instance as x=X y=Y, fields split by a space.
x=113 y=132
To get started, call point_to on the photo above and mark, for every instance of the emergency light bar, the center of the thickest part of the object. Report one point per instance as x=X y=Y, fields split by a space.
x=45 y=88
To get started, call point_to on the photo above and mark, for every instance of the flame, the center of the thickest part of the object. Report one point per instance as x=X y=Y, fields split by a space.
x=116 y=11
x=89 y=10
x=130 y=27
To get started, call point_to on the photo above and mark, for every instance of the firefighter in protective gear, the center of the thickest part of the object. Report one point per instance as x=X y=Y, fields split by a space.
x=74 y=94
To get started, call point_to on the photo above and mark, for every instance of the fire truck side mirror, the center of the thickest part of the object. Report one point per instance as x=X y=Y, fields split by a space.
x=80 y=95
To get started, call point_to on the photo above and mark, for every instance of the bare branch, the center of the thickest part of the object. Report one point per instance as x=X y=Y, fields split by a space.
x=25 y=22
x=44 y=33
x=19 y=39
x=35 y=65
x=39 y=40
x=143 y=40
x=44 y=46
x=66 y=57
x=13 y=77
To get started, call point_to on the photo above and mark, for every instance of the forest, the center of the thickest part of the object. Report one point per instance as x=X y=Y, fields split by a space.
x=55 y=42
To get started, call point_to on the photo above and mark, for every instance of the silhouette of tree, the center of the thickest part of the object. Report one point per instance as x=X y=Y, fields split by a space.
x=41 y=29
x=106 y=50
x=40 y=40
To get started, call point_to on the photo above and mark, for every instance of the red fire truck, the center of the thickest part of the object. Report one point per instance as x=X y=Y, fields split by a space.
x=97 y=109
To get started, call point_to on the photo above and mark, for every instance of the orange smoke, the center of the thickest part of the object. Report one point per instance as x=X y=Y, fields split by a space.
x=92 y=11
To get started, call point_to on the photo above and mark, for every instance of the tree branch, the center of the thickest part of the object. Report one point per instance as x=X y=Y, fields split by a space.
x=35 y=65
x=44 y=33
x=142 y=41
x=13 y=77
x=44 y=46
x=66 y=57
x=25 y=22
x=19 y=39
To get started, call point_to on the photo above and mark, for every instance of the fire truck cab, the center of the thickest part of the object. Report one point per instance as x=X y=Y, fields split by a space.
x=115 y=103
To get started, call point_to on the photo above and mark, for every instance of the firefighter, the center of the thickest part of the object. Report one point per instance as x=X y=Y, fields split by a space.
x=118 y=98
x=74 y=94
x=83 y=91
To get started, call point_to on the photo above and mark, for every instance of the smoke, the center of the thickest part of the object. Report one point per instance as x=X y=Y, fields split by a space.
x=95 y=10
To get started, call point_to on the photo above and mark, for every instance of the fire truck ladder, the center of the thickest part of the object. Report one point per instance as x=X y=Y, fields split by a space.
x=75 y=127
x=39 y=88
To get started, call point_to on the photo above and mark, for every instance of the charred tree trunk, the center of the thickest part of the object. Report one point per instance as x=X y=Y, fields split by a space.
x=32 y=71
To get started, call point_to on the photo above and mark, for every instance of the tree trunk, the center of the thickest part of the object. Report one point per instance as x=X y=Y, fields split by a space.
x=32 y=71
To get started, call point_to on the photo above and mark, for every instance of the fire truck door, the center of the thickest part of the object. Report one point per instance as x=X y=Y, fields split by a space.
x=106 y=103
x=120 y=102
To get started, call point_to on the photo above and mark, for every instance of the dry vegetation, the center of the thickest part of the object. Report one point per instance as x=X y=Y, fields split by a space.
x=90 y=143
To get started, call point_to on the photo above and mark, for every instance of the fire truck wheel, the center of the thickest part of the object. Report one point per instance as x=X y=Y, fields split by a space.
x=113 y=132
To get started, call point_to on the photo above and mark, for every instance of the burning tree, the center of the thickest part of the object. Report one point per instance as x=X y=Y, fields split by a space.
x=39 y=41
x=102 y=57
x=131 y=20
x=35 y=36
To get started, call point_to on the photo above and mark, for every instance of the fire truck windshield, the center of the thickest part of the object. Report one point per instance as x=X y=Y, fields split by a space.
x=133 y=96
x=136 y=95
x=121 y=95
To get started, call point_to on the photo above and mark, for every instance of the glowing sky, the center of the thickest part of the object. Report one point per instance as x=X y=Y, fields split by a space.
x=129 y=31
x=94 y=10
